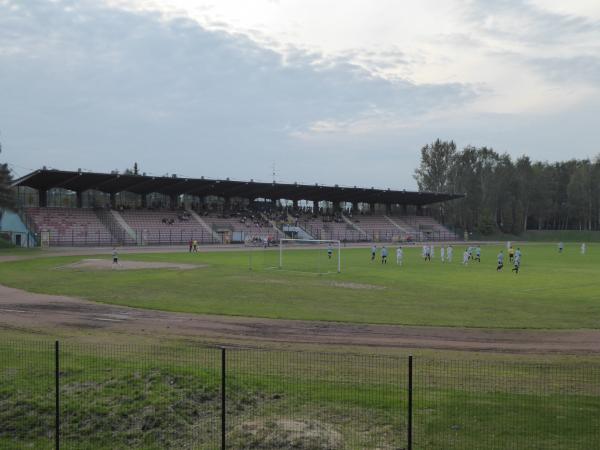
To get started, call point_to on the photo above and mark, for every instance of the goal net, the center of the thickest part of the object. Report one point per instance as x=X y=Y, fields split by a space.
x=309 y=255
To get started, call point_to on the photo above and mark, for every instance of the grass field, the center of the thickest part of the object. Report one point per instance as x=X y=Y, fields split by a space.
x=553 y=291
x=128 y=396
x=167 y=396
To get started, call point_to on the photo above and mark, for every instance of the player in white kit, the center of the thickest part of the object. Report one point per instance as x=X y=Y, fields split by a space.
x=399 y=256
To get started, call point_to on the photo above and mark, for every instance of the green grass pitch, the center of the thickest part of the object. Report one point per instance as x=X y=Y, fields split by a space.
x=552 y=291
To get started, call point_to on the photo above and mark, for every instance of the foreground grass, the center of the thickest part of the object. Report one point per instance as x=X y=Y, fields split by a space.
x=552 y=291
x=168 y=396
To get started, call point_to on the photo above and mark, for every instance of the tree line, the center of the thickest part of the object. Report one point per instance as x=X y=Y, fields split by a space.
x=7 y=197
x=511 y=196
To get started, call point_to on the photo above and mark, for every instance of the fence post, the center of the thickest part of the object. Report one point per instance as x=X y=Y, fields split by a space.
x=223 y=397
x=56 y=397
x=409 y=430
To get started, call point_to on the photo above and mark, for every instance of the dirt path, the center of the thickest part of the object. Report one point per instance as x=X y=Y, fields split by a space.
x=37 y=312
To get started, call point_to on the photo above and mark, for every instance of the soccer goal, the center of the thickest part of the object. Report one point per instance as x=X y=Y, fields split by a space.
x=310 y=255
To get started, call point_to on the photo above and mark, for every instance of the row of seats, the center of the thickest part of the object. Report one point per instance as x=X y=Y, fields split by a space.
x=78 y=226
x=376 y=228
x=70 y=226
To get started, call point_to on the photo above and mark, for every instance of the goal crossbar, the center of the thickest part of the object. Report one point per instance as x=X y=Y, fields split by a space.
x=335 y=243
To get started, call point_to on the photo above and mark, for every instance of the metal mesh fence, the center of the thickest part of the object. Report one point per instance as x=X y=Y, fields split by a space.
x=27 y=395
x=195 y=397
x=123 y=396
x=506 y=404
x=315 y=400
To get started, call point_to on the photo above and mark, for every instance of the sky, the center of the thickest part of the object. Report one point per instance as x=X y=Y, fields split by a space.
x=339 y=92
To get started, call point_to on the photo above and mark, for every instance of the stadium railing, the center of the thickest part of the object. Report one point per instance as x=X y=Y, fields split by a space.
x=183 y=237
x=99 y=396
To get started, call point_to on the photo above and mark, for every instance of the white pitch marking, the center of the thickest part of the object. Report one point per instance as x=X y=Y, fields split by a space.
x=13 y=310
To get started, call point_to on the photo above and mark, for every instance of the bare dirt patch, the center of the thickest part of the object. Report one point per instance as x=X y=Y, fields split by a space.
x=107 y=264
x=40 y=313
x=348 y=285
x=286 y=433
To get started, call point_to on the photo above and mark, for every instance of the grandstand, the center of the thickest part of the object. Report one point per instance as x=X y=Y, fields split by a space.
x=65 y=208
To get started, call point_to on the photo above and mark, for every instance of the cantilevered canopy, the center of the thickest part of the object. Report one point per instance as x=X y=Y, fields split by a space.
x=141 y=184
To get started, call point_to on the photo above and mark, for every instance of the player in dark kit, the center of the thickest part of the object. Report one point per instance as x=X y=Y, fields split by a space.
x=517 y=263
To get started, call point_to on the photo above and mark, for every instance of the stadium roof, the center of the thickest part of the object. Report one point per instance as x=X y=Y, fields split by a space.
x=45 y=179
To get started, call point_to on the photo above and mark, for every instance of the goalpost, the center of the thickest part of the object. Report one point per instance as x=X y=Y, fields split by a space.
x=327 y=250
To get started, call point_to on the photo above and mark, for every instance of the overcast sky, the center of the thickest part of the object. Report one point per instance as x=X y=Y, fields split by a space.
x=343 y=91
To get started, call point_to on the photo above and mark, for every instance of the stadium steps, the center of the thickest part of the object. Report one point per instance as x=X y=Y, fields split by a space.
x=112 y=225
x=397 y=225
x=203 y=224
x=301 y=233
x=118 y=218
x=353 y=225
x=280 y=234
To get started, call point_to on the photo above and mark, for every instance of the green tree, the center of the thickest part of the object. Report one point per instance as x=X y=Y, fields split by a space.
x=433 y=174
x=7 y=197
x=511 y=196
x=579 y=195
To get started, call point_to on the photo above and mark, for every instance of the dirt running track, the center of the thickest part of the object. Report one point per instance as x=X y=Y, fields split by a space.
x=26 y=311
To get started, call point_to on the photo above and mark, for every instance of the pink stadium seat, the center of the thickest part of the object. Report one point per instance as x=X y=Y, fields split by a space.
x=70 y=226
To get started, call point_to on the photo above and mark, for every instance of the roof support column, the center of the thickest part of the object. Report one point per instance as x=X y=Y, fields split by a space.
x=79 y=199
x=388 y=209
x=144 y=199
x=113 y=200
x=43 y=198
x=173 y=201
x=315 y=207
x=295 y=204
x=372 y=208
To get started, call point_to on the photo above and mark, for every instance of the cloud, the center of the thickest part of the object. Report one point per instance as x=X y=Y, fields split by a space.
x=83 y=84
x=90 y=85
x=523 y=22
x=584 y=68
x=142 y=65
